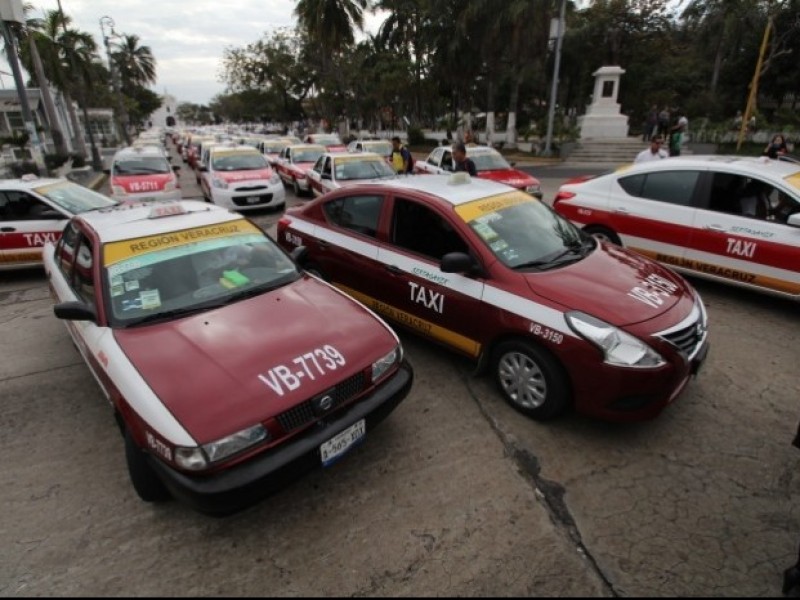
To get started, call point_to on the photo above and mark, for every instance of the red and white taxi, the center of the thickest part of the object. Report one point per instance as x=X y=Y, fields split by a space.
x=143 y=173
x=731 y=219
x=493 y=273
x=34 y=211
x=228 y=370
x=240 y=178
x=331 y=141
x=271 y=148
x=489 y=164
x=293 y=164
x=380 y=147
x=337 y=169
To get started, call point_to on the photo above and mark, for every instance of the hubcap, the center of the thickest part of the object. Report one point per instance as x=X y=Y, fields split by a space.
x=522 y=380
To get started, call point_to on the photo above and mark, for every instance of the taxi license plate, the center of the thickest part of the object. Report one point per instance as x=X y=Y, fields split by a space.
x=253 y=200
x=339 y=444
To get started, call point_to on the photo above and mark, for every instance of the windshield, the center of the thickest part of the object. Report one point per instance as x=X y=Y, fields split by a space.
x=138 y=165
x=488 y=161
x=238 y=161
x=327 y=140
x=523 y=232
x=299 y=156
x=73 y=197
x=177 y=273
x=382 y=148
x=349 y=169
x=274 y=148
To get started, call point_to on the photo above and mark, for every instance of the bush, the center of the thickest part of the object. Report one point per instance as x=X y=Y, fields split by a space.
x=416 y=137
x=23 y=167
x=78 y=161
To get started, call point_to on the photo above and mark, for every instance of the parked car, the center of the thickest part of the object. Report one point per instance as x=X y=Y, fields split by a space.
x=697 y=214
x=143 y=172
x=180 y=311
x=560 y=318
x=380 y=147
x=34 y=211
x=337 y=169
x=489 y=163
x=293 y=164
x=331 y=141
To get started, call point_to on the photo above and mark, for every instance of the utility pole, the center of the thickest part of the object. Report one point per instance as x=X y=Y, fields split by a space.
x=11 y=12
x=551 y=110
x=751 y=99
x=121 y=113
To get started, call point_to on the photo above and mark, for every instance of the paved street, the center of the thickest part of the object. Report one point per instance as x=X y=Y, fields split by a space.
x=455 y=494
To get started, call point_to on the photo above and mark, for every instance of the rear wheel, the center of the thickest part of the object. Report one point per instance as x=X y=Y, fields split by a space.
x=603 y=233
x=531 y=380
x=145 y=481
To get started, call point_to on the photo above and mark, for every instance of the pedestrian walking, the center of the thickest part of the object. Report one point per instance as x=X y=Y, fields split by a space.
x=663 y=122
x=461 y=162
x=676 y=137
x=650 y=123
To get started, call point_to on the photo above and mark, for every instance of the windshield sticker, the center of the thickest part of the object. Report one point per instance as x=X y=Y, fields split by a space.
x=149 y=299
x=117 y=290
x=117 y=251
x=471 y=211
x=487 y=233
x=131 y=286
x=498 y=246
x=653 y=290
x=233 y=279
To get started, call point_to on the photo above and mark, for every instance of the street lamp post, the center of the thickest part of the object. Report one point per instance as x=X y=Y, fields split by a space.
x=554 y=88
x=121 y=114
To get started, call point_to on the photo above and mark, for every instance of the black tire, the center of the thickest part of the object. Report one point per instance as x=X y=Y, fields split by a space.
x=145 y=481
x=603 y=233
x=546 y=394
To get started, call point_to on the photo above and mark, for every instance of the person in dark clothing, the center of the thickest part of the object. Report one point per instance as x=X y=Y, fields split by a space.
x=461 y=162
x=776 y=147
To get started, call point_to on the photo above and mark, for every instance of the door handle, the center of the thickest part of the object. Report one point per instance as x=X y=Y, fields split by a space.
x=394 y=270
x=621 y=210
x=7 y=229
x=718 y=228
x=323 y=244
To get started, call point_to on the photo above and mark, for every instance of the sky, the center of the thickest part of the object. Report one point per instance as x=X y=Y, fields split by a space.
x=187 y=37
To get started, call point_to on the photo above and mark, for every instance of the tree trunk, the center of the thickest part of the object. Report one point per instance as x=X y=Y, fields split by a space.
x=490 y=112
x=717 y=66
x=47 y=98
x=79 y=142
x=511 y=130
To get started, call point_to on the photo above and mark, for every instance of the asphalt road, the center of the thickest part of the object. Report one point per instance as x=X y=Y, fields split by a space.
x=455 y=494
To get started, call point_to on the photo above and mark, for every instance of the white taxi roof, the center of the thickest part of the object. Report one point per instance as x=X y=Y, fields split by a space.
x=337 y=156
x=133 y=220
x=749 y=166
x=455 y=188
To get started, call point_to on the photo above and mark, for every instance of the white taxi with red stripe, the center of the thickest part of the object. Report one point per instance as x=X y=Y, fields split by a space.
x=496 y=275
x=229 y=371
x=239 y=177
x=34 y=211
x=294 y=162
x=731 y=219
x=143 y=173
x=338 y=169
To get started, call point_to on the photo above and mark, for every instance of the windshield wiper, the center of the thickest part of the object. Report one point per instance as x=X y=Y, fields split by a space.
x=546 y=263
x=168 y=314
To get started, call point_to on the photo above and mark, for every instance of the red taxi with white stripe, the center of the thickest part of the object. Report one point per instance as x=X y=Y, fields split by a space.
x=339 y=169
x=493 y=273
x=34 y=211
x=228 y=370
x=489 y=164
x=293 y=164
x=143 y=173
x=731 y=219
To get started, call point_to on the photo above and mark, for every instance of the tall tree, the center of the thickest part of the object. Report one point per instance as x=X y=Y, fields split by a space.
x=135 y=63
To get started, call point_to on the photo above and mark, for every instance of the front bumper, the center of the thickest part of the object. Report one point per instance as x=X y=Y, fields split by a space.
x=240 y=486
x=269 y=195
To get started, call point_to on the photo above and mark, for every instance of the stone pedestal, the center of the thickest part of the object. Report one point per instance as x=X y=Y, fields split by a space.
x=603 y=119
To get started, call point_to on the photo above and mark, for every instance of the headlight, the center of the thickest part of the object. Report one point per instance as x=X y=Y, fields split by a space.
x=533 y=189
x=118 y=190
x=620 y=348
x=274 y=179
x=219 y=183
x=382 y=365
x=195 y=459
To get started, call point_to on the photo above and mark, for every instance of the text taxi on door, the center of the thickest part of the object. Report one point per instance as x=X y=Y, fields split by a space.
x=493 y=273
x=34 y=211
x=228 y=370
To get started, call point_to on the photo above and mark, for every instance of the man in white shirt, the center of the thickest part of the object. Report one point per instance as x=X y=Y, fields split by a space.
x=654 y=152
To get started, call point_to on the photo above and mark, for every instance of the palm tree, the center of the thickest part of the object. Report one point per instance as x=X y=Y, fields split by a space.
x=136 y=64
x=331 y=23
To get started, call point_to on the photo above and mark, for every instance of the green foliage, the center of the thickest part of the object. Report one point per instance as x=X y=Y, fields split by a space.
x=416 y=137
x=54 y=161
x=16 y=139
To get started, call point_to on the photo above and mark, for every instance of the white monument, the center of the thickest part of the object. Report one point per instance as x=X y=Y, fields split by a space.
x=603 y=119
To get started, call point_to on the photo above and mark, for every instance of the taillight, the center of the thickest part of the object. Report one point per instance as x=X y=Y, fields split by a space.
x=283 y=223
x=563 y=196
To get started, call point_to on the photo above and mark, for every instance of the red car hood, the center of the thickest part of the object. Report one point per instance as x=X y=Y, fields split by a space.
x=249 y=175
x=207 y=368
x=613 y=284
x=137 y=184
x=512 y=177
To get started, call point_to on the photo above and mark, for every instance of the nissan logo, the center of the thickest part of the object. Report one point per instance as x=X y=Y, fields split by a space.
x=325 y=403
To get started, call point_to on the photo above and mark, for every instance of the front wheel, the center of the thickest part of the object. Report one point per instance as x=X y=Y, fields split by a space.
x=531 y=380
x=603 y=234
x=145 y=481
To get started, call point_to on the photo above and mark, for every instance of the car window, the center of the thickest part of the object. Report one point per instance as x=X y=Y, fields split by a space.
x=350 y=169
x=74 y=198
x=447 y=160
x=434 y=157
x=326 y=169
x=318 y=165
x=21 y=206
x=65 y=250
x=141 y=165
x=417 y=228
x=83 y=273
x=356 y=213
x=672 y=187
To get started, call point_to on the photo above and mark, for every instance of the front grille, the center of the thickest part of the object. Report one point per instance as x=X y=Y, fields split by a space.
x=686 y=339
x=252 y=188
x=243 y=200
x=303 y=414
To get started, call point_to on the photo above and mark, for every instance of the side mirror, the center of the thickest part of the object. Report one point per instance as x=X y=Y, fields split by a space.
x=75 y=311
x=299 y=255
x=457 y=262
x=793 y=220
x=176 y=168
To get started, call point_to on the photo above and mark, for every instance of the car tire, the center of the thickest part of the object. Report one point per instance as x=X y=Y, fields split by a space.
x=603 y=233
x=296 y=188
x=145 y=481
x=520 y=364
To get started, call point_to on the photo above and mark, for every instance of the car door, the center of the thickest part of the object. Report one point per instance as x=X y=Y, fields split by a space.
x=653 y=212
x=414 y=291
x=26 y=224
x=281 y=165
x=756 y=250
x=430 y=164
x=326 y=177
x=315 y=176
